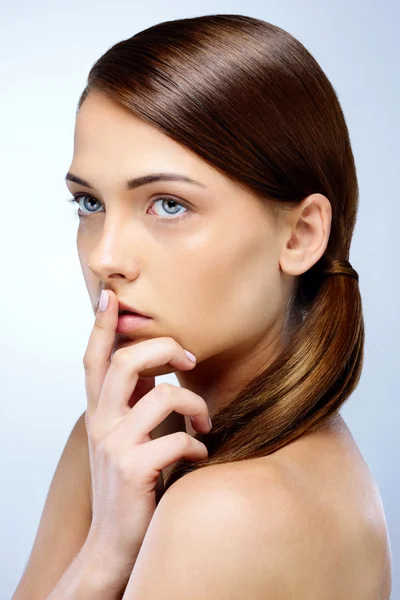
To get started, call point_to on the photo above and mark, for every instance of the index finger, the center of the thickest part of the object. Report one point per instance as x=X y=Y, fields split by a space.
x=98 y=352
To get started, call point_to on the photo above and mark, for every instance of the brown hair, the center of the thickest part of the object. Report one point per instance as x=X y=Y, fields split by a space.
x=247 y=97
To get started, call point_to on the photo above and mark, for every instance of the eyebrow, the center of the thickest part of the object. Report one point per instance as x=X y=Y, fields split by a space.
x=143 y=180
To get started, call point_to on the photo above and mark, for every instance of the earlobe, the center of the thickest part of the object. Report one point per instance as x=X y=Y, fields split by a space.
x=292 y=260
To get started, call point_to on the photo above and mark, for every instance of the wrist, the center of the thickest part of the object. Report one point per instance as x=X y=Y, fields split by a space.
x=88 y=577
x=102 y=568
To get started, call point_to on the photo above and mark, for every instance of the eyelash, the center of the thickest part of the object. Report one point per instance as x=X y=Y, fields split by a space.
x=75 y=200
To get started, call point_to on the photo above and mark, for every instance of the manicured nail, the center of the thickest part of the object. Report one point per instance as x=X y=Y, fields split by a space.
x=190 y=356
x=103 y=300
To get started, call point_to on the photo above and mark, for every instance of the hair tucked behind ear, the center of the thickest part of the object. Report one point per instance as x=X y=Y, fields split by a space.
x=249 y=99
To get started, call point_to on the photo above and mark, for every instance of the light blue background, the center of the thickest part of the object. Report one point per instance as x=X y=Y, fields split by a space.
x=47 y=50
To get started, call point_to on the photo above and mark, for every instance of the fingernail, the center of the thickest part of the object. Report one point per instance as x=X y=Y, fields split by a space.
x=103 y=300
x=209 y=420
x=190 y=356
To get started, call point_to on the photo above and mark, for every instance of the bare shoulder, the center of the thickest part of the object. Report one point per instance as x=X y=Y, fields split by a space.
x=316 y=504
x=282 y=526
x=308 y=516
x=329 y=510
x=213 y=525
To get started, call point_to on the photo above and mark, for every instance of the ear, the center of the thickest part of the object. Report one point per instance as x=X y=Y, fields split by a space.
x=306 y=234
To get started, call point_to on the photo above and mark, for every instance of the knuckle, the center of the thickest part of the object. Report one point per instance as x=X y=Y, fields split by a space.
x=183 y=439
x=172 y=344
x=99 y=323
x=196 y=401
x=170 y=340
x=121 y=358
x=194 y=397
x=164 y=389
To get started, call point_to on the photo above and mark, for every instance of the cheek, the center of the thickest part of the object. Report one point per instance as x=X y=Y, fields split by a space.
x=248 y=294
x=228 y=295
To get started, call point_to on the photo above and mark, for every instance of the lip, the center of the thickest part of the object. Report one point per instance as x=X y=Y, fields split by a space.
x=130 y=323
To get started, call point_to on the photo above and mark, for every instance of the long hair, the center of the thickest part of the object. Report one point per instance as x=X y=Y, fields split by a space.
x=248 y=98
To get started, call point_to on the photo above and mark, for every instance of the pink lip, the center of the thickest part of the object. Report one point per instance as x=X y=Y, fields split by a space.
x=130 y=323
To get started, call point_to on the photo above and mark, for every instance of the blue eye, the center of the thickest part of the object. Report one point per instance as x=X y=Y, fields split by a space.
x=167 y=200
x=76 y=200
x=163 y=199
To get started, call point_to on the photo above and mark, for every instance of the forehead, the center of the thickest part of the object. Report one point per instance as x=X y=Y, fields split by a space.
x=103 y=124
x=107 y=133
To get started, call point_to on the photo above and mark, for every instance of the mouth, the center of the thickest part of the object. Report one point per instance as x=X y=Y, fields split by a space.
x=124 y=309
x=130 y=322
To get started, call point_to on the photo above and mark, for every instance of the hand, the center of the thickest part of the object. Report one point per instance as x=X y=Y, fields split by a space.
x=123 y=407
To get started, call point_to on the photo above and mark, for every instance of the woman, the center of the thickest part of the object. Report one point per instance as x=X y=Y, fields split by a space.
x=217 y=196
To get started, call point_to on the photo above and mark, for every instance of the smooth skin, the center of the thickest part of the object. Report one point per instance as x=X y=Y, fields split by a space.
x=214 y=276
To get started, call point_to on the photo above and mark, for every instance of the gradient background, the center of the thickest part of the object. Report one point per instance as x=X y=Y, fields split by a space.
x=47 y=50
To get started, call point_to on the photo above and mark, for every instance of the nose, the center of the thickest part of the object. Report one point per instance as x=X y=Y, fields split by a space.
x=113 y=255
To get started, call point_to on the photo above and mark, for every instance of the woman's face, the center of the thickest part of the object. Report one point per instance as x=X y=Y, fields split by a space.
x=201 y=259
